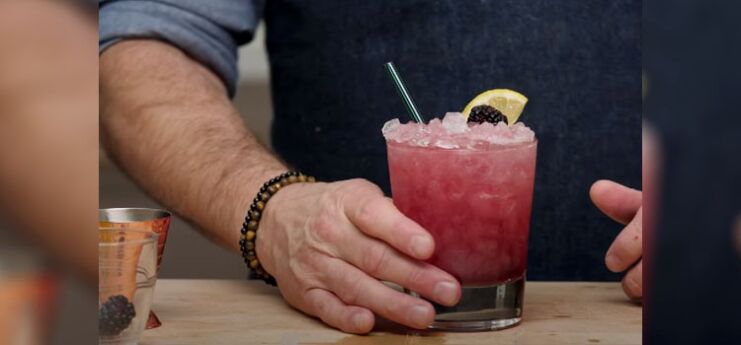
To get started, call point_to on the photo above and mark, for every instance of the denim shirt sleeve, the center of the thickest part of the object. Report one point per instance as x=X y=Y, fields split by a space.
x=209 y=31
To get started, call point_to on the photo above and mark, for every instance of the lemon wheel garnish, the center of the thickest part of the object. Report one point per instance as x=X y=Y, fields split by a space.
x=510 y=103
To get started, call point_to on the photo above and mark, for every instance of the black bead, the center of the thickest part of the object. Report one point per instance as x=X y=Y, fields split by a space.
x=263 y=188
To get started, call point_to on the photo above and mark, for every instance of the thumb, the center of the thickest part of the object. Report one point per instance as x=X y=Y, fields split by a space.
x=615 y=200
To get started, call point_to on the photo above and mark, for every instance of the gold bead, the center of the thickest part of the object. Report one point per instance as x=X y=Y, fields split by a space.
x=311 y=179
x=301 y=178
x=283 y=181
x=250 y=235
x=254 y=263
x=250 y=245
x=260 y=205
x=292 y=179
x=272 y=189
x=252 y=225
x=265 y=197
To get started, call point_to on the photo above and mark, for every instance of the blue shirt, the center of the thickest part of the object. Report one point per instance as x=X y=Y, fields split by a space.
x=578 y=61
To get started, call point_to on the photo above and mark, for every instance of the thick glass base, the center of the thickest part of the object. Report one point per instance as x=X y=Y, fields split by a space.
x=482 y=308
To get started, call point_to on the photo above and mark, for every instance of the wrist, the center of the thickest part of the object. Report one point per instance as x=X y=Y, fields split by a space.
x=243 y=197
x=251 y=225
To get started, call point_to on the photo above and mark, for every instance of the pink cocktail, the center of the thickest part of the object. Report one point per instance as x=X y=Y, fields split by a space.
x=471 y=187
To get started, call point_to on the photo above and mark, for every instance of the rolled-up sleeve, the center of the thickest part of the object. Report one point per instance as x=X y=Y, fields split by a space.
x=209 y=31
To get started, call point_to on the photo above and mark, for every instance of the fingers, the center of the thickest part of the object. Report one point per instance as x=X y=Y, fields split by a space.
x=633 y=282
x=335 y=313
x=376 y=216
x=617 y=201
x=356 y=288
x=383 y=262
x=627 y=247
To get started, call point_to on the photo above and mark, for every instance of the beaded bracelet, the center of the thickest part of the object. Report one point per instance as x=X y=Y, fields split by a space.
x=252 y=220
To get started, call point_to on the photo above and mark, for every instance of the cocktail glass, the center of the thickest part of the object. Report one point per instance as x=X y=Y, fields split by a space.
x=151 y=219
x=476 y=203
x=127 y=273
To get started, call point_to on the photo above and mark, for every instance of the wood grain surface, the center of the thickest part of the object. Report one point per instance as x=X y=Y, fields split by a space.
x=250 y=312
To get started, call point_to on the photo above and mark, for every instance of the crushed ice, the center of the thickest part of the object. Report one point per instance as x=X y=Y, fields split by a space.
x=453 y=132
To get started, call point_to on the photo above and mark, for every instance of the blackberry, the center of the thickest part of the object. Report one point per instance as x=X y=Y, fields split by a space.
x=115 y=315
x=484 y=113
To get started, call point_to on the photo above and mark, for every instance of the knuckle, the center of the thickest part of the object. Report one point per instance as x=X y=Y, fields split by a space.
x=632 y=287
x=349 y=290
x=638 y=221
x=634 y=229
x=358 y=186
x=375 y=259
x=331 y=198
x=416 y=275
x=619 y=249
x=370 y=209
x=323 y=310
x=365 y=213
x=360 y=183
x=330 y=320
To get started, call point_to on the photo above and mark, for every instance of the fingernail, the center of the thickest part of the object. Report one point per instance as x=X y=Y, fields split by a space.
x=421 y=245
x=360 y=321
x=612 y=262
x=446 y=293
x=420 y=315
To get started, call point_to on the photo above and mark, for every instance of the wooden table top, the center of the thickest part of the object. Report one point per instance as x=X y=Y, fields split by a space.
x=250 y=312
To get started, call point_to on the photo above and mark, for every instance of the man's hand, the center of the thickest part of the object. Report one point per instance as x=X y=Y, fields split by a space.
x=328 y=244
x=170 y=124
x=624 y=205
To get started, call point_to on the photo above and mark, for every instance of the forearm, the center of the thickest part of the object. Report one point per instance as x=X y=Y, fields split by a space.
x=168 y=122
